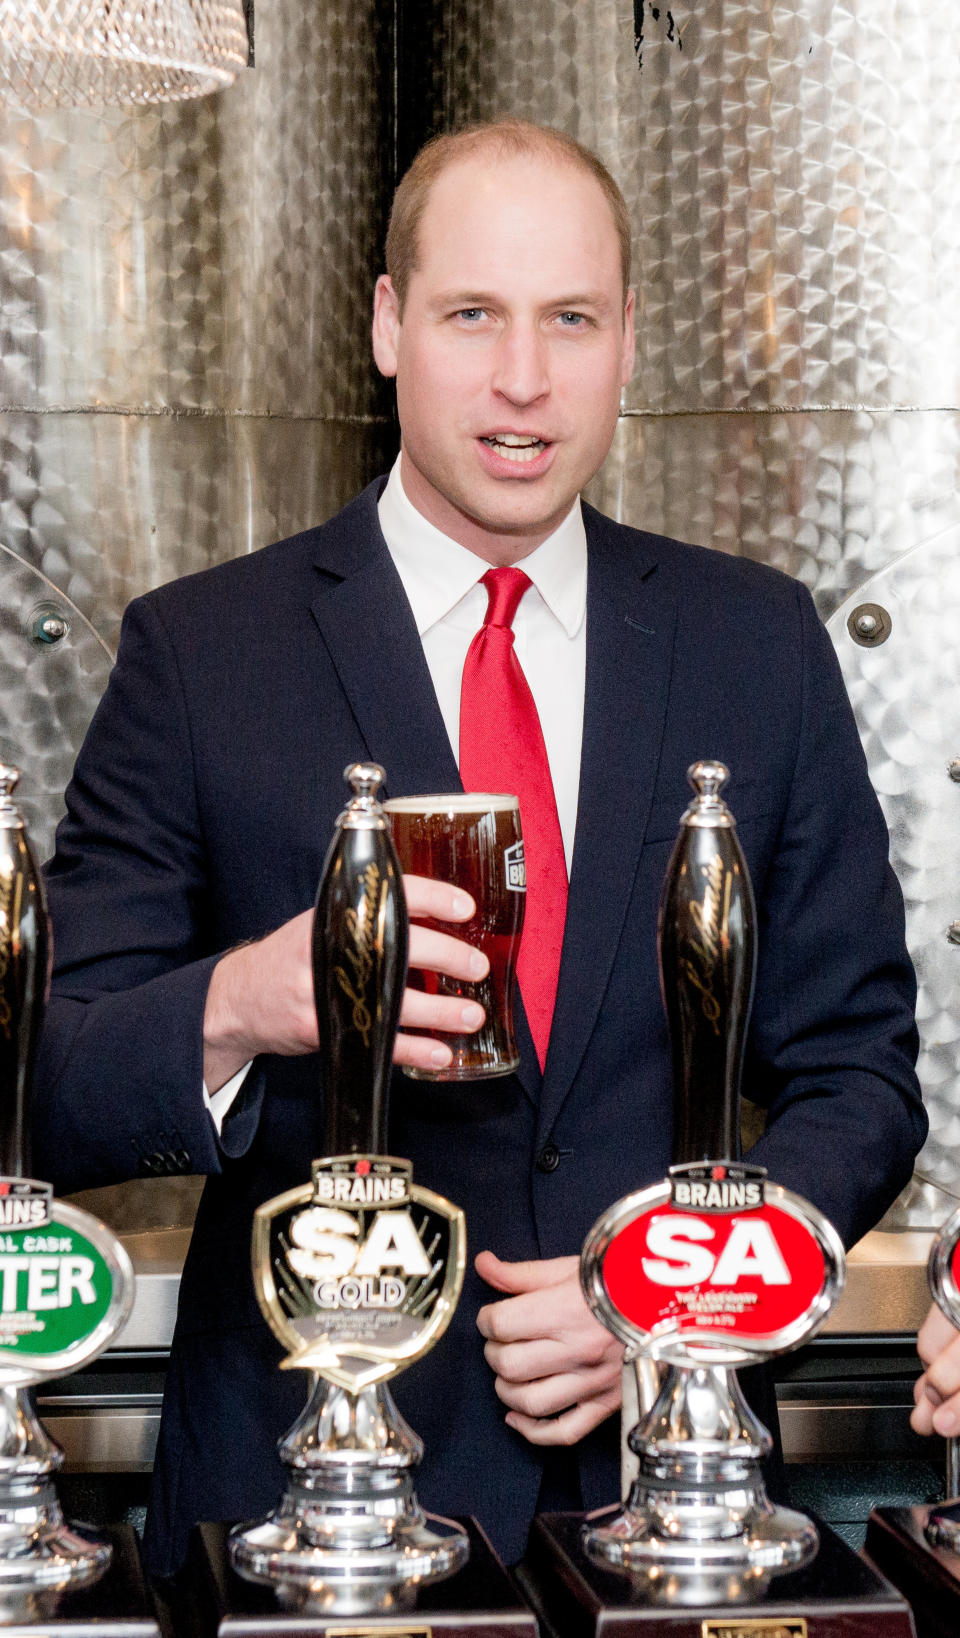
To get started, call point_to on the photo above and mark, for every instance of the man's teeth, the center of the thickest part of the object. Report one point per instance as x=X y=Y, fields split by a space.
x=515 y=446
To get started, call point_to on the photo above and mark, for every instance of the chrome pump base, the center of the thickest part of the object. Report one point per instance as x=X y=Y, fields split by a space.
x=699 y=1501
x=349 y=1530
x=38 y=1550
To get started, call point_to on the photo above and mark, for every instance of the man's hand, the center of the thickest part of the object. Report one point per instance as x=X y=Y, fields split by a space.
x=557 y=1368
x=260 y=997
x=937 y=1392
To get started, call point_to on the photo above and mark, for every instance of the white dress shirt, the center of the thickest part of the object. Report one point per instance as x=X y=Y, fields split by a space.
x=442 y=581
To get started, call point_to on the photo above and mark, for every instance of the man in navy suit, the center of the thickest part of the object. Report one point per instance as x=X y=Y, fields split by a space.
x=181 y=1031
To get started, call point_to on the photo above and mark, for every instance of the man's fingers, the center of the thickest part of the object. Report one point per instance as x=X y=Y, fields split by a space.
x=515 y=1278
x=526 y=1361
x=935 y=1335
x=569 y=1428
x=944 y=1402
x=542 y=1356
x=921 y=1417
x=447 y=1012
x=937 y=1392
x=421 y=1052
x=946 y=1417
x=521 y=1319
x=441 y=900
x=436 y=952
x=552 y=1395
x=444 y=1012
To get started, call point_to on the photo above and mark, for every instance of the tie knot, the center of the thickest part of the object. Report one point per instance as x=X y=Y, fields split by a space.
x=505 y=587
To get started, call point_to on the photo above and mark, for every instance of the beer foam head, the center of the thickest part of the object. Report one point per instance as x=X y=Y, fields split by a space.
x=455 y=802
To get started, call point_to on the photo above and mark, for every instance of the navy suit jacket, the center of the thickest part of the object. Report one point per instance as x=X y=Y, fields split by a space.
x=200 y=811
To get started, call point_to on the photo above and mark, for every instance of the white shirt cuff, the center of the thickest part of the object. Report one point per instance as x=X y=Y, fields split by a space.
x=219 y=1103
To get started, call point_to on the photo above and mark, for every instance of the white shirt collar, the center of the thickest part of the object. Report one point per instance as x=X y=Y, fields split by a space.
x=437 y=572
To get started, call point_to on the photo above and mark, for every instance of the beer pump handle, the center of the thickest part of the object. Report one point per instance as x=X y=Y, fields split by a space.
x=706 y=936
x=25 y=953
x=359 y=969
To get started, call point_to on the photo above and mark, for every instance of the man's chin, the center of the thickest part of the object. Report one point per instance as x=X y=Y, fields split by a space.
x=519 y=534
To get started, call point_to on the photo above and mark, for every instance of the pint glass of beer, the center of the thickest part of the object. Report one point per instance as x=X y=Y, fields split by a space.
x=474 y=841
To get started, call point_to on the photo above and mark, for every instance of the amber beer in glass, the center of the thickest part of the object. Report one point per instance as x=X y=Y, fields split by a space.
x=473 y=840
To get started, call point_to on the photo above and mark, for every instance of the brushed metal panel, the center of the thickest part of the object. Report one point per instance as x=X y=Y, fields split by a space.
x=886 y=1288
x=145 y=1211
x=122 y=1439
x=830 y=497
x=812 y=1431
x=791 y=170
x=109 y=258
x=157 y=1257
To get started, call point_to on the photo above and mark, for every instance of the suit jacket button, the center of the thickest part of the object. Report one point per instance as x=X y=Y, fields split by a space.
x=549 y=1158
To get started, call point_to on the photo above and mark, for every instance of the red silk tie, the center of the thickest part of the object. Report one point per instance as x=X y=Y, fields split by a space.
x=502 y=749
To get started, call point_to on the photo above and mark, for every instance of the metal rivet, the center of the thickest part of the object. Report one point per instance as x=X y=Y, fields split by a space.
x=953 y=932
x=953 y=769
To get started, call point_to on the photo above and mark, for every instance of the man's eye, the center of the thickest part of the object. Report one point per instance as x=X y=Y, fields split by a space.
x=572 y=321
x=470 y=314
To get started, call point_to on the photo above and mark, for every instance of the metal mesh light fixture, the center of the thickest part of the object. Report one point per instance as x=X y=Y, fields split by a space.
x=94 y=53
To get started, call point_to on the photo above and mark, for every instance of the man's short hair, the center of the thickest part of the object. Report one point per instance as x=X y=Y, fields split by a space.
x=505 y=138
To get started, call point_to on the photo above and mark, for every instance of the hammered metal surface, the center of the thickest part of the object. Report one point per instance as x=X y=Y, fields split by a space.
x=907 y=704
x=185 y=294
x=210 y=255
x=108 y=506
x=792 y=171
x=305 y=166
x=829 y=497
x=45 y=690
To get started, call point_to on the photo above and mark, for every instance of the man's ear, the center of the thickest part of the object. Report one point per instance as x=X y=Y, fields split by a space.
x=629 y=338
x=386 y=326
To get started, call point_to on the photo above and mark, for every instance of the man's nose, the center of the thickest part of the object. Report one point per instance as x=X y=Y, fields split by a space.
x=521 y=370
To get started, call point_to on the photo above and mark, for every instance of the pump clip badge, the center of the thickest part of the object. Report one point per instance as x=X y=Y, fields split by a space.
x=66 y=1284
x=715 y=1257
x=358 y=1272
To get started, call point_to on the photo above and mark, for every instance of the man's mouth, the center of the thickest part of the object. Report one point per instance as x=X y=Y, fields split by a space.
x=515 y=446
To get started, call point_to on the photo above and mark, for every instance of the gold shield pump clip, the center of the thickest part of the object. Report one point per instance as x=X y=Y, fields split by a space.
x=358 y=1271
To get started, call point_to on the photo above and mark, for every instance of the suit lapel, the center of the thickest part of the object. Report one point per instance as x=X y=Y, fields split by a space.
x=370 y=633
x=630 y=632
x=367 y=625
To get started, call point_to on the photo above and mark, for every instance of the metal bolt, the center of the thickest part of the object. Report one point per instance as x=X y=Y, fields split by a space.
x=49 y=627
x=953 y=769
x=869 y=625
x=953 y=932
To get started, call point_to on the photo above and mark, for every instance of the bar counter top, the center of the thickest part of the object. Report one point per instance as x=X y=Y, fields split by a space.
x=886 y=1287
